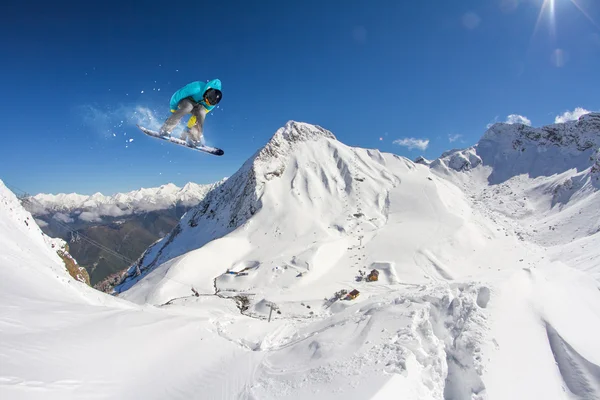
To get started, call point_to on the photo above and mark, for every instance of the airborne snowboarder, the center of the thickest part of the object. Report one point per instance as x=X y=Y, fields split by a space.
x=196 y=98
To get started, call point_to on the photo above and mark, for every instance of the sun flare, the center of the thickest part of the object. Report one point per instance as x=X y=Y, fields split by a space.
x=548 y=10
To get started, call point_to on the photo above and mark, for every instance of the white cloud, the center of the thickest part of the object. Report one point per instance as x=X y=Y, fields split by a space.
x=90 y=216
x=41 y=223
x=454 y=138
x=110 y=210
x=147 y=207
x=62 y=218
x=103 y=210
x=412 y=143
x=518 y=119
x=570 y=115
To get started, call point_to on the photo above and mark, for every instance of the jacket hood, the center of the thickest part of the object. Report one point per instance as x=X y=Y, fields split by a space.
x=214 y=84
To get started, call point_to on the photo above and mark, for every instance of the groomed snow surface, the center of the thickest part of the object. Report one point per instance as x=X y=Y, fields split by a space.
x=488 y=283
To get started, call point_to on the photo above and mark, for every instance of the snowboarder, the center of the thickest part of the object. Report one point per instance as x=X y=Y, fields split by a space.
x=196 y=98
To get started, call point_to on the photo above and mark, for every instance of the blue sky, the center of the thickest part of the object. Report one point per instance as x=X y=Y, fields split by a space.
x=381 y=74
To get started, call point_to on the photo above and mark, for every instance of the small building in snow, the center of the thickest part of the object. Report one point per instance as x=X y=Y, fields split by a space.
x=352 y=295
x=373 y=276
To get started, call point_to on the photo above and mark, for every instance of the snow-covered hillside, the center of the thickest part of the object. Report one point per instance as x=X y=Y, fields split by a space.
x=31 y=266
x=459 y=296
x=469 y=303
x=61 y=339
x=541 y=184
x=90 y=208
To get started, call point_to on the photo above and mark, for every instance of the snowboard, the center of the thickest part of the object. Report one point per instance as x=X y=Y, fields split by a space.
x=205 y=149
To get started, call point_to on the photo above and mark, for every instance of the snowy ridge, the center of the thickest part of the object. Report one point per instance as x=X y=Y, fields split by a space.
x=234 y=202
x=515 y=149
x=120 y=204
x=542 y=183
x=29 y=263
x=596 y=166
x=270 y=160
x=457 y=160
x=422 y=160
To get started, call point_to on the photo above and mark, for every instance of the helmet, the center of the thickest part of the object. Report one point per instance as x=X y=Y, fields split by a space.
x=212 y=97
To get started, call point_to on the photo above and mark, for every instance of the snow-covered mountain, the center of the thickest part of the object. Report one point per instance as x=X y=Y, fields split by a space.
x=539 y=183
x=516 y=149
x=93 y=208
x=469 y=302
x=18 y=226
x=460 y=295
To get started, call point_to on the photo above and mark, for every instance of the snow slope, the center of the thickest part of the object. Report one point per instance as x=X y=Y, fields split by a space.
x=466 y=306
x=539 y=183
x=301 y=219
x=31 y=266
x=60 y=339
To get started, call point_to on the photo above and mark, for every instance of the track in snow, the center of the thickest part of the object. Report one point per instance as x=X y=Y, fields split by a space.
x=581 y=376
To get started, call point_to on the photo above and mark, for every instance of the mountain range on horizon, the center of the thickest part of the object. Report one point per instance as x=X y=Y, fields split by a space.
x=108 y=233
x=91 y=208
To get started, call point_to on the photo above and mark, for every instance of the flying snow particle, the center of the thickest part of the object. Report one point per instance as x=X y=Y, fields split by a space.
x=142 y=91
x=130 y=140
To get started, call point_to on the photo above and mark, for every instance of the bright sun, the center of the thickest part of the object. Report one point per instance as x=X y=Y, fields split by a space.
x=548 y=9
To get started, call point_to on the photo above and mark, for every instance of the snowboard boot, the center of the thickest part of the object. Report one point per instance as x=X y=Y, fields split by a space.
x=195 y=143
x=164 y=133
x=190 y=139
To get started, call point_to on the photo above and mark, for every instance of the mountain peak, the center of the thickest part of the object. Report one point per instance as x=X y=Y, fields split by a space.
x=292 y=132
x=579 y=135
x=422 y=160
x=269 y=161
x=515 y=149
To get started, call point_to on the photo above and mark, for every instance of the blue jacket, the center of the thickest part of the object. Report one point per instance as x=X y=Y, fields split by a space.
x=195 y=90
